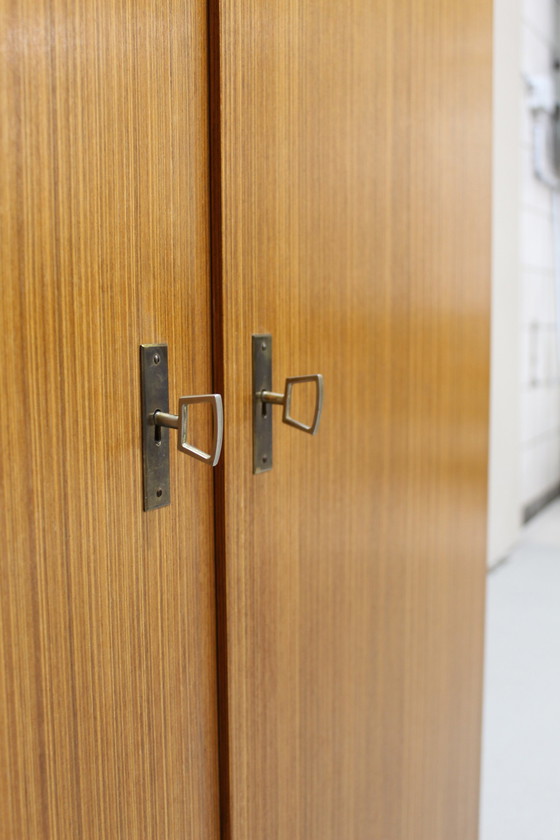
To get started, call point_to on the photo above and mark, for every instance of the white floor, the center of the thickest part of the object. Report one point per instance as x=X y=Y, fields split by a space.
x=521 y=742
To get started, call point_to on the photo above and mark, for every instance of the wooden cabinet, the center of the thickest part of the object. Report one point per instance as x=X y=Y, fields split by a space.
x=108 y=718
x=297 y=654
x=354 y=217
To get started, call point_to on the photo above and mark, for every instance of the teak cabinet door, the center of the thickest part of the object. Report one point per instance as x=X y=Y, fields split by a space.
x=108 y=722
x=351 y=210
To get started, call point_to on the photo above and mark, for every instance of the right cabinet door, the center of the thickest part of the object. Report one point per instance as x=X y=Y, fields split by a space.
x=351 y=209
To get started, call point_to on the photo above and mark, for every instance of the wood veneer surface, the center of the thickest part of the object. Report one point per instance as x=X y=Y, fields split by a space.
x=107 y=641
x=351 y=195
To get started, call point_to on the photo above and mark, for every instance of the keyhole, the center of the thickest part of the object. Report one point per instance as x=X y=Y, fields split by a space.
x=157 y=435
x=265 y=409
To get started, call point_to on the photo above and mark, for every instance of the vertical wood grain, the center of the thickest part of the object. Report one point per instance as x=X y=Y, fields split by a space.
x=107 y=642
x=351 y=190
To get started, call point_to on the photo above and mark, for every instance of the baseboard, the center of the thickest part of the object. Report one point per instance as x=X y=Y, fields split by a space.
x=531 y=510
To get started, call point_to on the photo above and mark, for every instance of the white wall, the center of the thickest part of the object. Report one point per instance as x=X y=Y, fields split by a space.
x=540 y=385
x=525 y=396
x=504 y=489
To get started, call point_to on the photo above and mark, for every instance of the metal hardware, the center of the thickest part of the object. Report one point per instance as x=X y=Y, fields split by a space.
x=285 y=399
x=180 y=422
x=263 y=396
x=262 y=415
x=156 y=421
x=155 y=449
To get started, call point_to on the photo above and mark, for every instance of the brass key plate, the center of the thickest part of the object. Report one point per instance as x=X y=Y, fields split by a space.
x=155 y=440
x=262 y=412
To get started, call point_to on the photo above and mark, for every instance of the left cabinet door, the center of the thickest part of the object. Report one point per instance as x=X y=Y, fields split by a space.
x=107 y=643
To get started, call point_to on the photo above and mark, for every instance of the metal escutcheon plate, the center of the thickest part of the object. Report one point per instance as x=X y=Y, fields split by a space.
x=262 y=412
x=155 y=445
